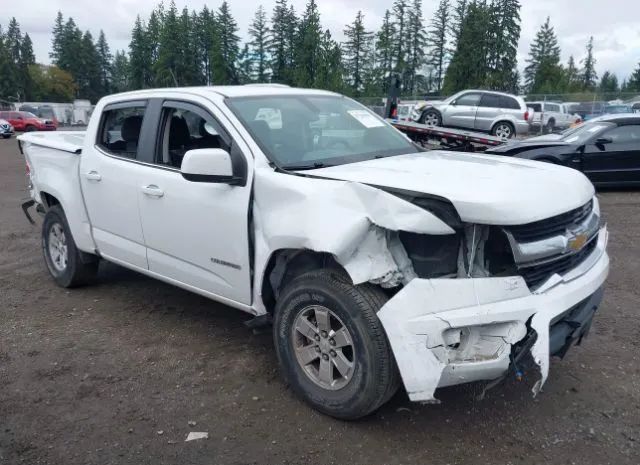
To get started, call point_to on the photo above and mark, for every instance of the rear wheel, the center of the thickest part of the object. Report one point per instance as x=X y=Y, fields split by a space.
x=30 y=128
x=431 y=118
x=504 y=129
x=68 y=266
x=331 y=345
x=551 y=126
x=6 y=136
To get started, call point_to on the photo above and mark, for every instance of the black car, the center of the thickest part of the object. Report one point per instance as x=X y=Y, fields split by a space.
x=606 y=149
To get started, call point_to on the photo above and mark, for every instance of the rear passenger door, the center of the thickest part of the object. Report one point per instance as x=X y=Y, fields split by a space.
x=461 y=112
x=488 y=110
x=196 y=233
x=110 y=174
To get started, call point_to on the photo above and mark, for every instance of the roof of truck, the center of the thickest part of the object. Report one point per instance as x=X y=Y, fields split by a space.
x=248 y=90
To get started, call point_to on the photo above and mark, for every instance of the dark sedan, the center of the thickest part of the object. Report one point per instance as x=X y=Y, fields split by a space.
x=606 y=149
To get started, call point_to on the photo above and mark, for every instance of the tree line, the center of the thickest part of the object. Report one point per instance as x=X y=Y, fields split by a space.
x=466 y=44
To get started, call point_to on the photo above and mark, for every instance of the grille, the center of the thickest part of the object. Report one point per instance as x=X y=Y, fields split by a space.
x=537 y=274
x=553 y=226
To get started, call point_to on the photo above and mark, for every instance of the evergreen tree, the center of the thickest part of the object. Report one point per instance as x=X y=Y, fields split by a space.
x=543 y=72
x=330 y=69
x=457 y=21
x=308 y=51
x=437 y=40
x=609 y=83
x=57 y=38
x=225 y=59
x=633 y=83
x=167 y=69
x=589 y=76
x=120 y=72
x=572 y=77
x=27 y=59
x=356 y=50
x=205 y=36
x=469 y=64
x=259 y=33
x=504 y=34
x=417 y=45
x=385 y=50
x=140 y=64
x=279 y=44
x=87 y=75
x=400 y=20
x=7 y=70
x=245 y=66
x=105 y=60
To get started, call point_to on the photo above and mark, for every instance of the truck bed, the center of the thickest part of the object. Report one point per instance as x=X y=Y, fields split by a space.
x=67 y=141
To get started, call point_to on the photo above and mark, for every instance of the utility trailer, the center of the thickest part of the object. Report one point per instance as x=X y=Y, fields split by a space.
x=447 y=138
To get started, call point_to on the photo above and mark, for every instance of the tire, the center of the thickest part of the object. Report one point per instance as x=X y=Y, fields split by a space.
x=6 y=136
x=431 y=118
x=373 y=377
x=503 y=127
x=69 y=267
x=30 y=128
x=551 y=125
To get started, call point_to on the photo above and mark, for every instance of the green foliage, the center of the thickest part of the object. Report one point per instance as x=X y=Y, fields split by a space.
x=51 y=84
x=357 y=51
x=589 y=76
x=259 y=59
x=633 y=84
x=608 y=83
x=544 y=72
x=308 y=51
x=437 y=40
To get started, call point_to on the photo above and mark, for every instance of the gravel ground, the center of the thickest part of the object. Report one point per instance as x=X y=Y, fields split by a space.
x=118 y=372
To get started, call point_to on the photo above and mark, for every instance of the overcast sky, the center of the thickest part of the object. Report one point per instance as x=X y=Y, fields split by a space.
x=615 y=24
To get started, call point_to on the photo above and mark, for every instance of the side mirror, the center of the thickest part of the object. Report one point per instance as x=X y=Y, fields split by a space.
x=453 y=103
x=208 y=165
x=604 y=140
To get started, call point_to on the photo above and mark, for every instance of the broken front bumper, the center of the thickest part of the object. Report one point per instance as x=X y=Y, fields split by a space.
x=452 y=331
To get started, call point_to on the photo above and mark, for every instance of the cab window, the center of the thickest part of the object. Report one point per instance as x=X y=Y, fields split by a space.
x=120 y=130
x=186 y=128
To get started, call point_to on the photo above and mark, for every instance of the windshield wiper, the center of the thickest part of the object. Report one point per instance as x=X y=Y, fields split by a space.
x=310 y=166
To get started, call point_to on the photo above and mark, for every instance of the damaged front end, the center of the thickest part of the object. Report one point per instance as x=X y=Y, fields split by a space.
x=488 y=296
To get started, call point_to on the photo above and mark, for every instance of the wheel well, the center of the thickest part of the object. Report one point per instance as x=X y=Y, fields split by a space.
x=504 y=121
x=286 y=264
x=49 y=200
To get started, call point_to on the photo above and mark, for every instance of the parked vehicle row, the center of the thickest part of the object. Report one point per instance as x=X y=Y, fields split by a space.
x=23 y=121
x=380 y=264
x=500 y=114
x=6 y=129
x=605 y=149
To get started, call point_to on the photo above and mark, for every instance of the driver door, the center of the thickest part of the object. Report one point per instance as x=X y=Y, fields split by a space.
x=614 y=156
x=462 y=111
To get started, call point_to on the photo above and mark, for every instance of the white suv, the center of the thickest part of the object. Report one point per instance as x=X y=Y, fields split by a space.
x=503 y=115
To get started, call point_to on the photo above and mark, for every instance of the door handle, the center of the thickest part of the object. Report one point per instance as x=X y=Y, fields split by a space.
x=152 y=190
x=93 y=176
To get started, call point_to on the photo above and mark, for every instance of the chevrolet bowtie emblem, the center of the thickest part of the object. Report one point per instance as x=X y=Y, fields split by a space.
x=577 y=242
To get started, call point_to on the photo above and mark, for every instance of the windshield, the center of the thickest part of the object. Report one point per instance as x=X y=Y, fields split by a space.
x=28 y=114
x=581 y=134
x=615 y=109
x=300 y=132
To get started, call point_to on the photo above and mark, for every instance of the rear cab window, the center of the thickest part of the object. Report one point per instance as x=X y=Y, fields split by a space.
x=120 y=126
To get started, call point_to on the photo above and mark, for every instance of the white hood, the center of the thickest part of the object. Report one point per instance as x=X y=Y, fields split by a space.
x=485 y=189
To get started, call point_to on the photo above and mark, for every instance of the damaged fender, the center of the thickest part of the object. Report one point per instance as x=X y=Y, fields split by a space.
x=351 y=221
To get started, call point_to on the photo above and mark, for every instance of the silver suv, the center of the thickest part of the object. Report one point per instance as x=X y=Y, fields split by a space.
x=503 y=115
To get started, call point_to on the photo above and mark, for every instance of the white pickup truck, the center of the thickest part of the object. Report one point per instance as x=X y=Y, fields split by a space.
x=551 y=116
x=377 y=263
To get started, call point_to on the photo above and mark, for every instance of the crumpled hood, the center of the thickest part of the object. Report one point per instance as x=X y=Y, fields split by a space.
x=485 y=189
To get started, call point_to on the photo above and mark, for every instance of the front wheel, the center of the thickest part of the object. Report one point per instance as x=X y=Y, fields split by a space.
x=6 y=136
x=30 y=128
x=504 y=130
x=65 y=262
x=431 y=118
x=331 y=346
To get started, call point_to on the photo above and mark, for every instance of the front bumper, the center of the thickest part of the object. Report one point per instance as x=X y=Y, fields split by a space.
x=453 y=331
